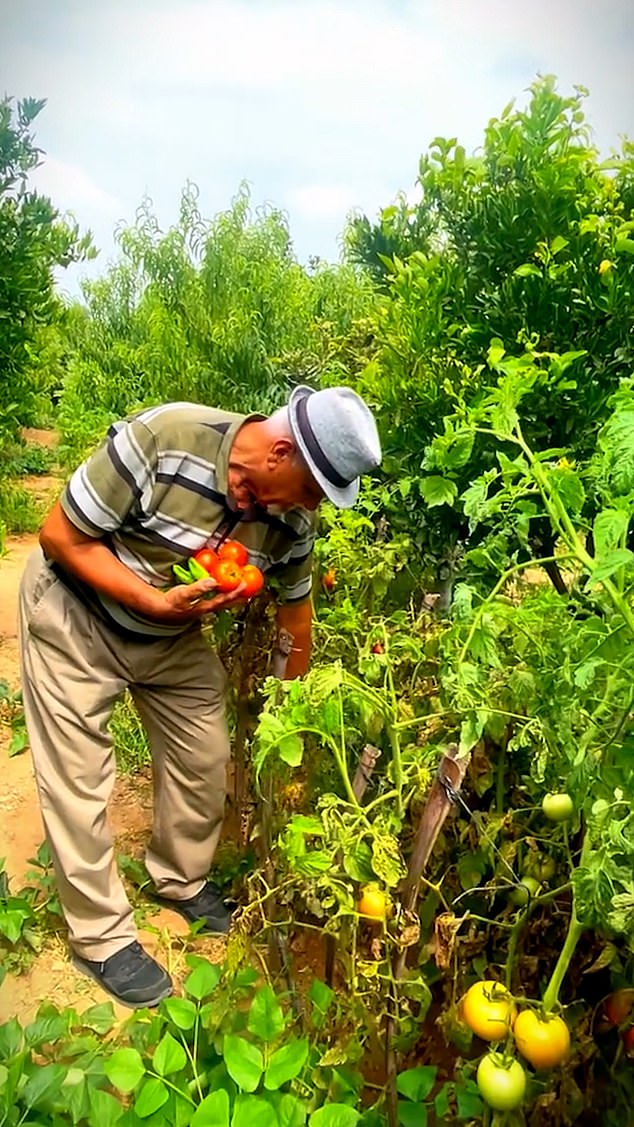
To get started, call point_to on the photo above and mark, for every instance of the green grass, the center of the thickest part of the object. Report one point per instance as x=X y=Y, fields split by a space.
x=19 y=511
x=130 y=741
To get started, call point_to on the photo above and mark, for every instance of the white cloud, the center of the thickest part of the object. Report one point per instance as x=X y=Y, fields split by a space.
x=322 y=201
x=72 y=189
x=322 y=106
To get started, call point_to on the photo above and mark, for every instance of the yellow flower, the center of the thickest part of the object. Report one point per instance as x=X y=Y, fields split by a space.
x=605 y=266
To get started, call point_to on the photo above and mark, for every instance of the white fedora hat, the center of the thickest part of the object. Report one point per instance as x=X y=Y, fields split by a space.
x=336 y=434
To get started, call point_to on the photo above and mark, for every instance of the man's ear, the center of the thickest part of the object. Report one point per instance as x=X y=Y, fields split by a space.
x=281 y=451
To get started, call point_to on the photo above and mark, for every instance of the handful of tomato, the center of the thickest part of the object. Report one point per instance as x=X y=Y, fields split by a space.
x=229 y=567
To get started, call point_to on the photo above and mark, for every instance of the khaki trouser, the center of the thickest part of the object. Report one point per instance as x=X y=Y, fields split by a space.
x=73 y=670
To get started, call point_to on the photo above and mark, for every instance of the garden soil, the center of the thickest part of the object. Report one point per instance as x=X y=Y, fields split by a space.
x=51 y=976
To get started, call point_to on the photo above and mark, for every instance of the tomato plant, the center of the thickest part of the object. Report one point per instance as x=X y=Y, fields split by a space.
x=558 y=807
x=502 y=1082
x=544 y=1040
x=235 y=551
x=488 y=1009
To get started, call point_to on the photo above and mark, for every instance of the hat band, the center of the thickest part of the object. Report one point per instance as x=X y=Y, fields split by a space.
x=314 y=449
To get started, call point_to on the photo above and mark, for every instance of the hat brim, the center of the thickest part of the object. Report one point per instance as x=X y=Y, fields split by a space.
x=343 y=498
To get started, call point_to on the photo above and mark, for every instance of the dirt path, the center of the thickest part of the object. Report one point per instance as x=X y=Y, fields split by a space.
x=52 y=977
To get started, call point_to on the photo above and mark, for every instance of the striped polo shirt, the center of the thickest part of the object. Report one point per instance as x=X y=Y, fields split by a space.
x=156 y=490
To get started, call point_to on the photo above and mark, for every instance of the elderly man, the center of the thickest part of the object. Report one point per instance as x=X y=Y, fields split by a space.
x=99 y=614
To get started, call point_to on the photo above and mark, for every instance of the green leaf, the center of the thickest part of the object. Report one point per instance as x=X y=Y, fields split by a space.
x=387 y=861
x=412 y=1115
x=291 y=750
x=471 y=730
x=496 y=352
x=334 y=1115
x=152 y=1095
x=253 y=1111
x=527 y=270
x=244 y=1062
x=437 y=490
x=266 y=1018
x=46 y=1081
x=285 y=1064
x=291 y=1111
x=605 y=566
x=416 y=1083
x=213 y=1111
x=203 y=980
x=357 y=862
x=124 y=1069
x=101 y=1018
x=169 y=1056
x=468 y=1099
x=608 y=530
x=181 y=1011
x=105 y=1111
x=624 y=246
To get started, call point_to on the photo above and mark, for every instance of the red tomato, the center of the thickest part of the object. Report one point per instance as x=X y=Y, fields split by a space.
x=228 y=575
x=206 y=558
x=619 y=1005
x=628 y=1041
x=329 y=579
x=254 y=580
x=377 y=648
x=235 y=551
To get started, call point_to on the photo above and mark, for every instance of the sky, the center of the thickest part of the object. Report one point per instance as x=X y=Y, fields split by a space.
x=323 y=107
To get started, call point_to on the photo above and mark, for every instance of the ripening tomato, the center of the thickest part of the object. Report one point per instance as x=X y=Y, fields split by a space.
x=543 y=1039
x=619 y=1005
x=372 y=903
x=377 y=648
x=235 y=551
x=628 y=1041
x=501 y=1082
x=228 y=575
x=329 y=579
x=558 y=807
x=488 y=1009
x=206 y=558
x=253 y=579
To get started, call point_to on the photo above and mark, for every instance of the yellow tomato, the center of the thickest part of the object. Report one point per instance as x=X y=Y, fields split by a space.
x=544 y=1041
x=488 y=1009
x=372 y=902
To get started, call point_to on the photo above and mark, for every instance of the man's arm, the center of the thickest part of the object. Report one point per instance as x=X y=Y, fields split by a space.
x=91 y=560
x=297 y=619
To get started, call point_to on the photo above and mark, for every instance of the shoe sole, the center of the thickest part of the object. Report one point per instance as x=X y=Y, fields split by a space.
x=80 y=965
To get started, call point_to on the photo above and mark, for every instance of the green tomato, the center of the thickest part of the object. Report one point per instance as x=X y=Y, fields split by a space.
x=527 y=890
x=502 y=1083
x=558 y=807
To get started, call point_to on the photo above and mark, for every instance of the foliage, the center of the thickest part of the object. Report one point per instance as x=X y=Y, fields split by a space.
x=224 y=1052
x=213 y=311
x=33 y=241
x=527 y=244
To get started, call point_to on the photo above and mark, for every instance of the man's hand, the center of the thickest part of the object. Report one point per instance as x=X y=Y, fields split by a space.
x=191 y=601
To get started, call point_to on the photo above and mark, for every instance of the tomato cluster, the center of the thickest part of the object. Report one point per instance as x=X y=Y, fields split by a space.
x=542 y=1039
x=229 y=567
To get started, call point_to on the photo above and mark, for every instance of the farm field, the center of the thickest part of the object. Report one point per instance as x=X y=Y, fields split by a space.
x=429 y=836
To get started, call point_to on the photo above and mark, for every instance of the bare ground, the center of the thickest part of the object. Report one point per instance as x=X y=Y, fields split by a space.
x=52 y=976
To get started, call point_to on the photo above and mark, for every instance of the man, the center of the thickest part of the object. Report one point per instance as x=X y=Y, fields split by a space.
x=99 y=613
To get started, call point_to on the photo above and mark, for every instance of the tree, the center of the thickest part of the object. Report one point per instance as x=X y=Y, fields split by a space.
x=33 y=241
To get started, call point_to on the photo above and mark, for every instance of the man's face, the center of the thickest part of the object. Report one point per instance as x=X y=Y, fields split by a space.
x=287 y=484
x=281 y=480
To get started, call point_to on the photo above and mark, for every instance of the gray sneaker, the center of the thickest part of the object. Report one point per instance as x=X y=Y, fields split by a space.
x=207 y=905
x=131 y=976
